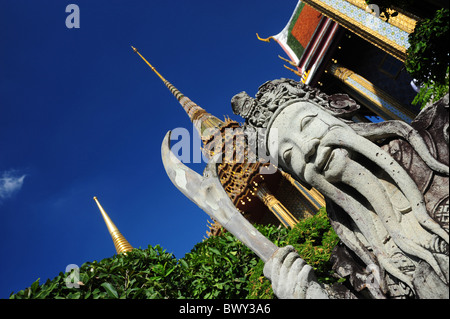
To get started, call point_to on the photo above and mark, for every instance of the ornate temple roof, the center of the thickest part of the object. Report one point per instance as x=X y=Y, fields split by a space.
x=310 y=31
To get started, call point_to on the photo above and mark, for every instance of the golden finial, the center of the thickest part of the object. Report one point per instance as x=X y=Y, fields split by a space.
x=121 y=244
x=288 y=61
x=202 y=120
x=264 y=40
x=292 y=70
x=148 y=63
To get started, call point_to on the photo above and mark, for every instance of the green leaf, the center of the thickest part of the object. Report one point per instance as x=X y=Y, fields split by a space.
x=170 y=271
x=184 y=264
x=110 y=290
x=214 y=250
x=35 y=285
x=75 y=295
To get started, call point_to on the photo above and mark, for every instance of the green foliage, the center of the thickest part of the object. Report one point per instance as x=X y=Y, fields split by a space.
x=218 y=267
x=428 y=57
x=428 y=54
x=431 y=92
x=140 y=273
x=314 y=239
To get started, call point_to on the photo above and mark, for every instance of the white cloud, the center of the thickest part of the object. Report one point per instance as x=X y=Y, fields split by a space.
x=10 y=182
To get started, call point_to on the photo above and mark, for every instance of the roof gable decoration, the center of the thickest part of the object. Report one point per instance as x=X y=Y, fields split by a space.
x=297 y=33
x=357 y=16
x=305 y=39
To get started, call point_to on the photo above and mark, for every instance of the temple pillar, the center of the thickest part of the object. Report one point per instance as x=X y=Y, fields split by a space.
x=276 y=207
x=313 y=196
x=372 y=97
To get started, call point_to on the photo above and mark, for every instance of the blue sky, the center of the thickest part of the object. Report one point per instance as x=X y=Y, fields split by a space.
x=81 y=115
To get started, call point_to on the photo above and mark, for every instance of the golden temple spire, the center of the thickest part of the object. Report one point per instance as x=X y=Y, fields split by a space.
x=238 y=175
x=202 y=120
x=121 y=244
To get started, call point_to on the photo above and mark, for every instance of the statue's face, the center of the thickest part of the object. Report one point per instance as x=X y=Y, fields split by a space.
x=303 y=141
x=314 y=146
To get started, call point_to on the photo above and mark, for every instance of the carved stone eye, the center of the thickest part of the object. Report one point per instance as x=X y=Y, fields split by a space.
x=287 y=156
x=306 y=120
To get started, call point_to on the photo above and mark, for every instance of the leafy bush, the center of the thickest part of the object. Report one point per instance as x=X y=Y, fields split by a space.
x=219 y=267
x=148 y=273
x=428 y=57
x=431 y=92
x=314 y=239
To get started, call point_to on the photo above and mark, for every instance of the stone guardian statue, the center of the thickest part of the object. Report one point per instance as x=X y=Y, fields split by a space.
x=386 y=186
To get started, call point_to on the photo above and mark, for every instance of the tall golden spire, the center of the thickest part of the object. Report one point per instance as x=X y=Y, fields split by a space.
x=121 y=244
x=202 y=120
x=236 y=176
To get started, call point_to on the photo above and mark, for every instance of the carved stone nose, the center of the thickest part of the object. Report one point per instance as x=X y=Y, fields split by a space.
x=309 y=149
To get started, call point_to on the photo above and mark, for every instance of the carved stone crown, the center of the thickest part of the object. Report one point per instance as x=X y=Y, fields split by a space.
x=273 y=94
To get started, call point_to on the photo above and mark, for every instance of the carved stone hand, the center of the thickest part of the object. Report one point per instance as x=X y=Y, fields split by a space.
x=292 y=277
